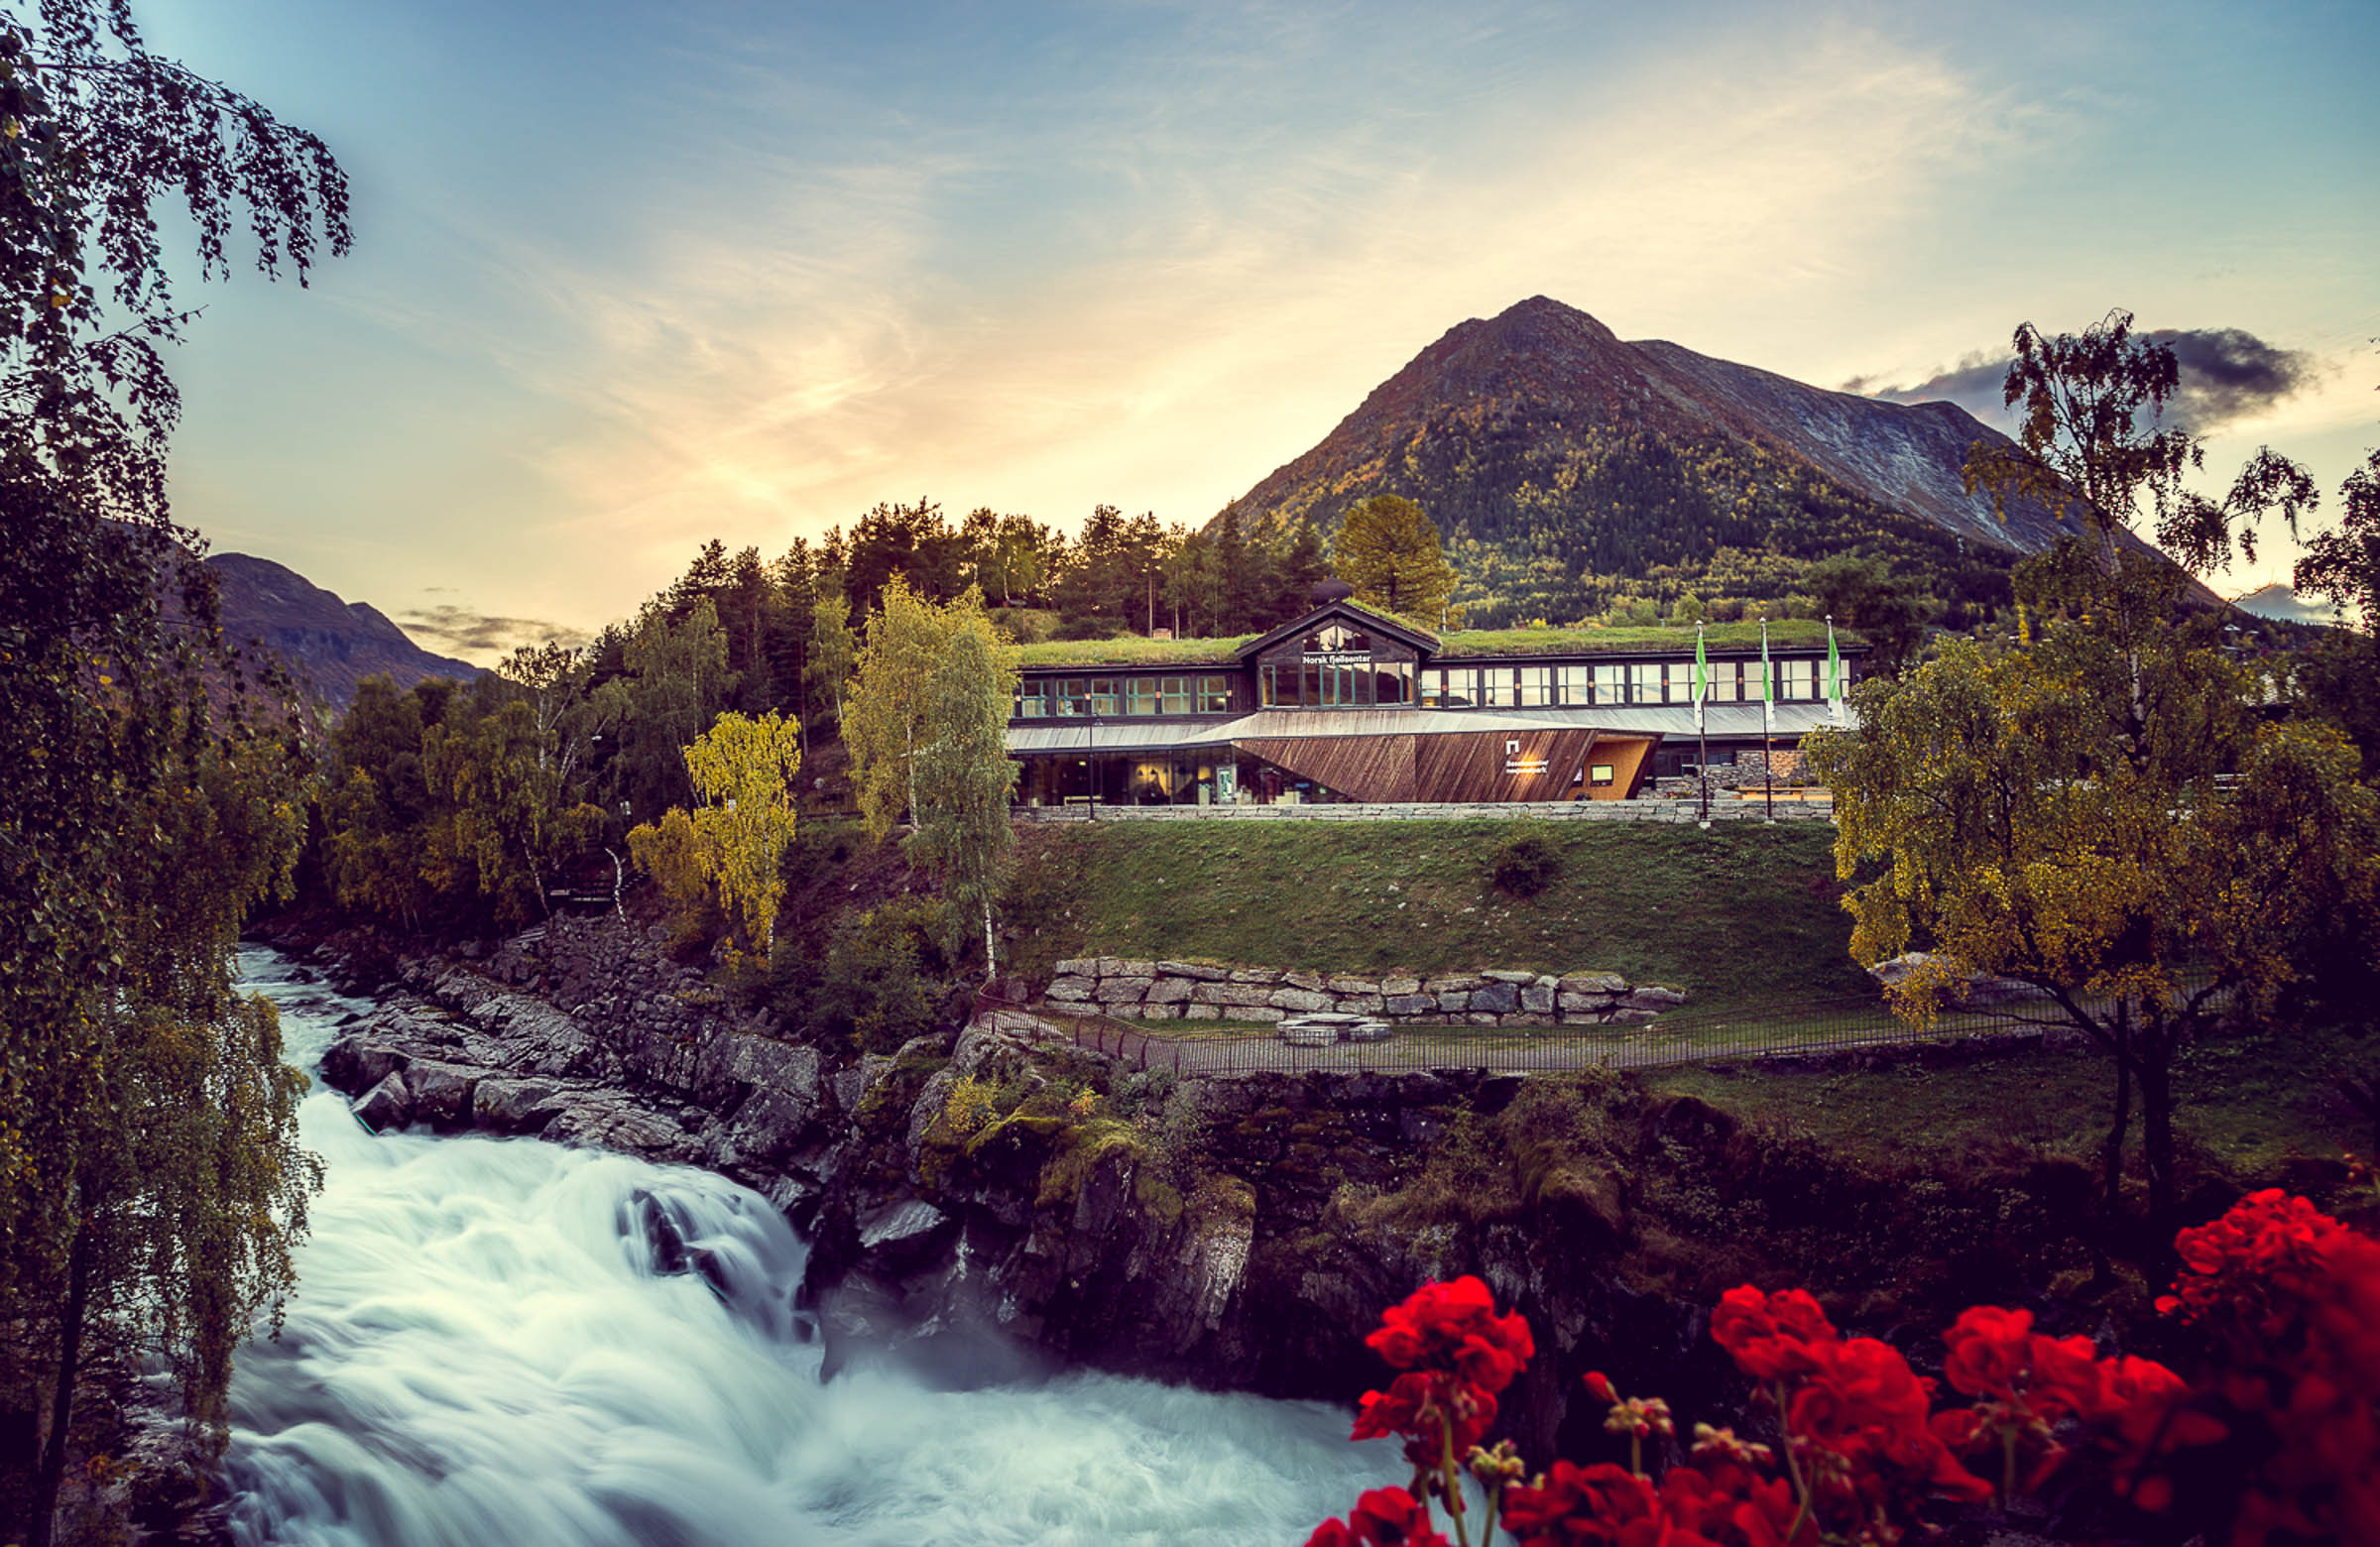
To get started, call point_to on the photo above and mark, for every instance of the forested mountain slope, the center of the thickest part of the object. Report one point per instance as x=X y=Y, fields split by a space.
x=1572 y=472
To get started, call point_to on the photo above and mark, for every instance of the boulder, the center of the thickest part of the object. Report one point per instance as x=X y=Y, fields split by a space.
x=1342 y=982
x=357 y=1063
x=1301 y=998
x=1077 y=966
x=1454 y=999
x=1400 y=986
x=1536 y=998
x=1409 y=1004
x=1195 y=971
x=1124 y=967
x=1630 y=1016
x=1122 y=990
x=1169 y=991
x=1654 y=997
x=1496 y=997
x=442 y=1093
x=512 y=1106
x=1593 y=983
x=1454 y=983
x=1298 y=1031
x=1201 y=1013
x=1156 y=1011
x=387 y=1106
x=1591 y=1003
x=1313 y=982
x=1236 y=993
x=1073 y=985
x=1506 y=975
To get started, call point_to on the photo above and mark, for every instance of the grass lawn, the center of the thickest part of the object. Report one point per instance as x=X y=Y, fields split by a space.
x=2248 y=1105
x=1740 y=915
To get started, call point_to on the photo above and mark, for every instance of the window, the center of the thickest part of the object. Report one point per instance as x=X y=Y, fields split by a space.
x=1104 y=698
x=1599 y=774
x=1030 y=704
x=1272 y=682
x=1140 y=696
x=1177 y=695
x=1450 y=687
x=1574 y=685
x=1214 y=694
x=1392 y=681
x=1644 y=682
x=1725 y=688
x=1796 y=679
x=1536 y=685
x=1681 y=681
x=1611 y=685
x=1071 y=691
x=1497 y=686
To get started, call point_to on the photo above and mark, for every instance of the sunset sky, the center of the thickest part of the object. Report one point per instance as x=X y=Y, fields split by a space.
x=630 y=277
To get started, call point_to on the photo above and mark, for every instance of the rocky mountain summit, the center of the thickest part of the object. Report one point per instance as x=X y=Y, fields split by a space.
x=1538 y=439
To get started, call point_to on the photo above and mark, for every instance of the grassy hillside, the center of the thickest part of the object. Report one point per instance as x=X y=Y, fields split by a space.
x=1740 y=914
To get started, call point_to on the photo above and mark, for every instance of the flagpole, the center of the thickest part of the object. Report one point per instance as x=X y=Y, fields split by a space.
x=1701 y=732
x=1768 y=756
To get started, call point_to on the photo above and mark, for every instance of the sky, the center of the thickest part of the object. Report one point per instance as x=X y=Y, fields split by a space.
x=626 y=278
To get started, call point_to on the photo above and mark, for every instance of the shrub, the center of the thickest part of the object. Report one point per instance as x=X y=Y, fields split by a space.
x=1525 y=865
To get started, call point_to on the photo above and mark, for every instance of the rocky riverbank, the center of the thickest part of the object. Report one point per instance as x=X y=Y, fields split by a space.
x=992 y=1200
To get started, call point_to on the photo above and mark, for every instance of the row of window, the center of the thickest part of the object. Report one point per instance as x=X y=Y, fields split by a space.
x=1635 y=682
x=1290 y=686
x=1050 y=698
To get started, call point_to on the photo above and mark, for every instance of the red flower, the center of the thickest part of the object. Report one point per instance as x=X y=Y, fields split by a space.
x=1415 y=1404
x=1598 y=1503
x=1382 y=1517
x=1770 y=1335
x=1454 y=1327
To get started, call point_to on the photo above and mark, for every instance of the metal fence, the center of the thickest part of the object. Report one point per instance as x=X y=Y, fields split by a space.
x=1686 y=1037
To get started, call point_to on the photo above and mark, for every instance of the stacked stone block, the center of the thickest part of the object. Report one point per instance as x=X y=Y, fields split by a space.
x=1133 y=988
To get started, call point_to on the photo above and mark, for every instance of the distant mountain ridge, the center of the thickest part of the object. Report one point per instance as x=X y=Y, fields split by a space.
x=331 y=645
x=1542 y=444
x=2284 y=604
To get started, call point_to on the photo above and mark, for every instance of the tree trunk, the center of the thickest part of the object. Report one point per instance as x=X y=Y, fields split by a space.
x=41 y=1522
x=2111 y=1153
x=2155 y=1070
x=991 y=961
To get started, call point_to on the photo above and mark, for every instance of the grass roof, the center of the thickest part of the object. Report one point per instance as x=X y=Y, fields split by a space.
x=1132 y=650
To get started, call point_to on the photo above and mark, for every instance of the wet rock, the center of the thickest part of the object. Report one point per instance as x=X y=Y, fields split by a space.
x=387 y=1106
x=442 y=1093
x=509 y=1106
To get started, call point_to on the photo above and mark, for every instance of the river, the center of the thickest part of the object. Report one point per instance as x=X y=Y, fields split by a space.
x=481 y=1354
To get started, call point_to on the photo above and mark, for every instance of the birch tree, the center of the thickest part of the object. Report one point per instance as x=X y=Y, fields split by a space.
x=926 y=723
x=743 y=770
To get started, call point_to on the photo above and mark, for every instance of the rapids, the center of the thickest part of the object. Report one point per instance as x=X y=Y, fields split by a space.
x=481 y=1354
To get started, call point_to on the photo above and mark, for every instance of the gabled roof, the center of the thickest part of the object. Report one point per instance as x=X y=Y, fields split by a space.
x=1420 y=639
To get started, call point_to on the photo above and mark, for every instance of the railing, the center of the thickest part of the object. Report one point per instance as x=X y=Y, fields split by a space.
x=1680 y=1038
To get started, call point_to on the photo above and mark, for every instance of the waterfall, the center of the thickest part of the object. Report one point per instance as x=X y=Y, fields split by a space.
x=505 y=1342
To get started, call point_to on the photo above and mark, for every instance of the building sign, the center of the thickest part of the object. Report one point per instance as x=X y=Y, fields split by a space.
x=1517 y=762
x=1337 y=657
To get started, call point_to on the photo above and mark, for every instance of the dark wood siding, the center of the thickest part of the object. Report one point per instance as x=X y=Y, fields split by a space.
x=1529 y=765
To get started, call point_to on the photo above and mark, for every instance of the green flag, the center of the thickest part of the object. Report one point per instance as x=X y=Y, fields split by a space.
x=1702 y=677
x=1767 y=676
x=1834 y=674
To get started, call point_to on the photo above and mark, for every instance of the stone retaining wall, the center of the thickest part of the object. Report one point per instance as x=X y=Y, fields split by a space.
x=1136 y=990
x=1728 y=810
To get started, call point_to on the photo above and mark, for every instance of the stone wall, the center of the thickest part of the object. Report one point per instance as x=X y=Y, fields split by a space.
x=1136 y=990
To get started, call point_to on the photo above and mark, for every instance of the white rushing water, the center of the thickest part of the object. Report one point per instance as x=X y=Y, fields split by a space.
x=481 y=1354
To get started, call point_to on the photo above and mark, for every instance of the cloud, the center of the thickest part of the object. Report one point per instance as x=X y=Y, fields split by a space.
x=1167 y=302
x=478 y=637
x=2227 y=374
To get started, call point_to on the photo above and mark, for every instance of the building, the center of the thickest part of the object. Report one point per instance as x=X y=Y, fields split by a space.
x=1348 y=704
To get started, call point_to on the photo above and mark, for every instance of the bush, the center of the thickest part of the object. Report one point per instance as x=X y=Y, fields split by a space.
x=1525 y=866
x=885 y=977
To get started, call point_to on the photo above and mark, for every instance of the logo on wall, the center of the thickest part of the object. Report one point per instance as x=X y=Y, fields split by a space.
x=1515 y=764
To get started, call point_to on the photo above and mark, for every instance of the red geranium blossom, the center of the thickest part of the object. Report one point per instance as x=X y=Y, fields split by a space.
x=1382 y=1517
